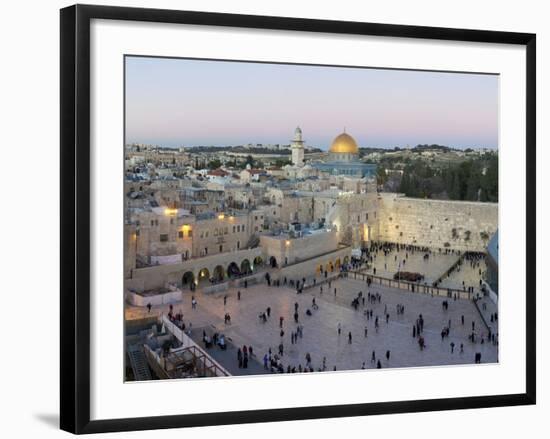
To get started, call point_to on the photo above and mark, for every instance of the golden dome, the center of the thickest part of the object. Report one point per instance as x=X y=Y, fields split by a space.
x=344 y=143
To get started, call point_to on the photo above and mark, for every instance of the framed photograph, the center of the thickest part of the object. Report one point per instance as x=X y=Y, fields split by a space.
x=275 y=218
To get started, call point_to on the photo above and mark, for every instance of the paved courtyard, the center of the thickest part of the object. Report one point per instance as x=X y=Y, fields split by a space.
x=320 y=335
x=466 y=275
x=414 y=262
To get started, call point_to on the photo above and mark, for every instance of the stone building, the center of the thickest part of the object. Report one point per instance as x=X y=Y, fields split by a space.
x=344 y=159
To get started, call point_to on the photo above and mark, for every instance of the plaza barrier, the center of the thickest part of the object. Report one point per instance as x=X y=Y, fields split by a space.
x=450 y=269
x=413 y=287
x=138 y=299
x=188 y=344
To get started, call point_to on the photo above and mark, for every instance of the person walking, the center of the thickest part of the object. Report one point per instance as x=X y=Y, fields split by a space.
x=281 y=319
x=339 y=328
x=240 y=358
x=239 y=295
x=349 y=337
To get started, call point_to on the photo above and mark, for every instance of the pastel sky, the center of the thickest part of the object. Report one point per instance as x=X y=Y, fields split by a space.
x=175 y=102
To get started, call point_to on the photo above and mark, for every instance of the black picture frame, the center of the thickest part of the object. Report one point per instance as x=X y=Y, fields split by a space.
x=75 y=217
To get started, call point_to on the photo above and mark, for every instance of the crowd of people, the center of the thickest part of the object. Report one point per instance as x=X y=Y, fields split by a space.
x=371 y=303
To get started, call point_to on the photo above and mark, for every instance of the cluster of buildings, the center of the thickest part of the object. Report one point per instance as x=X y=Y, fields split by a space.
x=193 y=227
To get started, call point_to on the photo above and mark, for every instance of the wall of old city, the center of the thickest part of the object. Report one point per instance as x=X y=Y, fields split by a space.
x=328 y=261
x=461 y=225
x=290 y=251
x=159 y=276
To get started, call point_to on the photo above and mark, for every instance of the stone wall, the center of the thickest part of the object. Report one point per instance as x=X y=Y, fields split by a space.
x=293 y=250
x=310 y=267
x=157 y=276
x=461 y=225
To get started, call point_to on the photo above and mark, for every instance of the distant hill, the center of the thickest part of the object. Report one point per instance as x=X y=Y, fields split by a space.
x=418 y=148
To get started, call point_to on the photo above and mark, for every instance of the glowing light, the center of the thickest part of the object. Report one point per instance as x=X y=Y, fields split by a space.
x=287 y=243
x=221 y=216
x=170 y=212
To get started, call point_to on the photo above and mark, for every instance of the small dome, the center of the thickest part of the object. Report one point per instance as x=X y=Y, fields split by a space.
x=344 y=143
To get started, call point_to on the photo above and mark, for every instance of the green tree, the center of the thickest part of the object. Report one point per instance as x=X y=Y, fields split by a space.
x=381 y=175
x=214 y=164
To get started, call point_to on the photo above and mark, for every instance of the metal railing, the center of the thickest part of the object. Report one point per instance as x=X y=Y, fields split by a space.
x=413 y=287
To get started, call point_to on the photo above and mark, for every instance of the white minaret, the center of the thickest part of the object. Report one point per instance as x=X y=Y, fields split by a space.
x=297 y=148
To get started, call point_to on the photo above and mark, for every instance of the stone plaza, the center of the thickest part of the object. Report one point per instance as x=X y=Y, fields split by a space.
x=320 y=329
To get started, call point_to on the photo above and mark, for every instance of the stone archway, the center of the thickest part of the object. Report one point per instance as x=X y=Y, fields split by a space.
x=219 y=274
x=246 y=267
x=204 y=275
x=187 y=279
x=346 y=260
x=273 y=262
x=233 y=270
x=258 y=261
x=337 y=263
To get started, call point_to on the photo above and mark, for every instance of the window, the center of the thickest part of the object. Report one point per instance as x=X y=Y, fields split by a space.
x=180 y=234
x=171 y=221
x=152 y=223
x=164 y=237
x=233 y=229
x=225 y=231
x=190 y=233
x=221 y=248
x=366 y=216
x=238 y=244
x=205 y=250
x=206 y=234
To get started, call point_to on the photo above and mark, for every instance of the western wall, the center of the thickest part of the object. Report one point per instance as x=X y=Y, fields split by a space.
x=459 y=225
